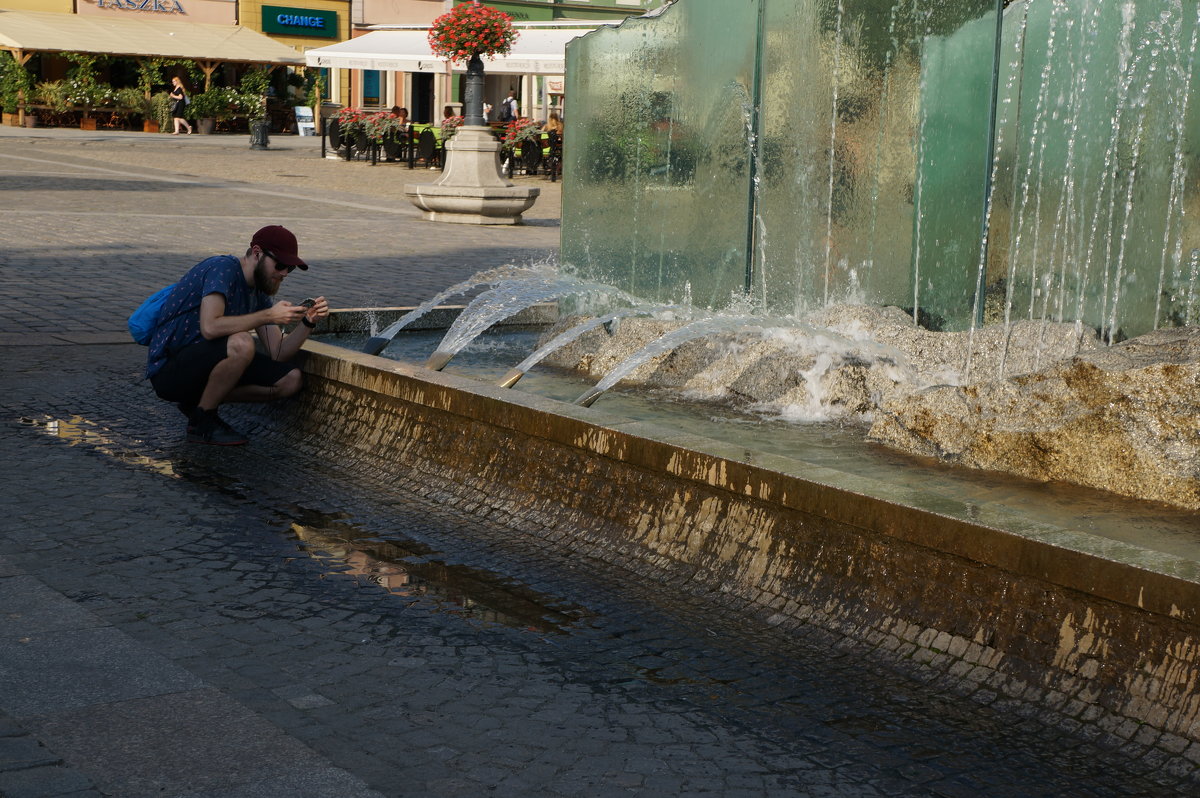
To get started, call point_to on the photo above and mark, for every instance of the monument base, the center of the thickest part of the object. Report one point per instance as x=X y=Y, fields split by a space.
x=471 y=189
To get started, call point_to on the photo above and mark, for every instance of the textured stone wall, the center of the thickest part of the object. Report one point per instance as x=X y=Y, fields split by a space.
x=986 y=613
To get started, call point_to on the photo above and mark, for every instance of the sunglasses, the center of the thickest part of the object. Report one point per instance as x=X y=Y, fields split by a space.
x=279 y=267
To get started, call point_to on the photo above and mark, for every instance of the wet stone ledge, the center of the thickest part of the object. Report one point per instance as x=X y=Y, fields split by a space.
x=983 y=612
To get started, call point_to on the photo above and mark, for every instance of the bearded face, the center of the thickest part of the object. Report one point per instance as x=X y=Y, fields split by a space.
x=266 y=278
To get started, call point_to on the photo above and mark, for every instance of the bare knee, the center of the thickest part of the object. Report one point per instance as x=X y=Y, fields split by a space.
x=240 y=347
x=289 y=383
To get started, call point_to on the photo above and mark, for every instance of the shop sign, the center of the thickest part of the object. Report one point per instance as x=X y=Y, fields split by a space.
x=299 y=21
x=164 y=6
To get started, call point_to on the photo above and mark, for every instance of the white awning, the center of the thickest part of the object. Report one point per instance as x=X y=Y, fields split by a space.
x=536 y=52
x=44 y=31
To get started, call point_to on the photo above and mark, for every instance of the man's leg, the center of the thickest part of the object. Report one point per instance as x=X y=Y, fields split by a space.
x=223 y=379
x=281 y=388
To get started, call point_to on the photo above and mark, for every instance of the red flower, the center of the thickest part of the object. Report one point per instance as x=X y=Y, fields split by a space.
x=470 y=29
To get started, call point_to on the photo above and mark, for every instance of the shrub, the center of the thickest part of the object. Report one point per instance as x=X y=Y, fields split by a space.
x=160 y=107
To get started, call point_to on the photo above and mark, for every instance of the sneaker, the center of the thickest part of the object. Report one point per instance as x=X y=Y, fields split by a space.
x=208 y=427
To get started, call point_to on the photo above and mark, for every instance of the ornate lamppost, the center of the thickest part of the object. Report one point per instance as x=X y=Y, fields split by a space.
x=472 y=190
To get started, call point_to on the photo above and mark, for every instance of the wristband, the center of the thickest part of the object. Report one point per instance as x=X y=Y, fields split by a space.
x=309 y=324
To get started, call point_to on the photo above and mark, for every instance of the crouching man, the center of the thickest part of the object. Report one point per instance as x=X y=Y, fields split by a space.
x=202 y=354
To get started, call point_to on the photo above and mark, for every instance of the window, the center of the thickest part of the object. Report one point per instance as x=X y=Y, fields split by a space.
x=370 y=85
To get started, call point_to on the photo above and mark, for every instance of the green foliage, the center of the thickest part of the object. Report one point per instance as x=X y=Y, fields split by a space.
x=131 y=101
x=14 y=79
x=216 y=103
x=54 y=94
x=315 y=90
x=149 y=74
x=160 y=108
x=253 y=86
x=83 y=74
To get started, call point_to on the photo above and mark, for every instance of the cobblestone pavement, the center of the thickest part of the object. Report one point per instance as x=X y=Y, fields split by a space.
x=194 y=621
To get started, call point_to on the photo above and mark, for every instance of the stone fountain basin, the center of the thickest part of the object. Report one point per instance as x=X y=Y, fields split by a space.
x=988 y=601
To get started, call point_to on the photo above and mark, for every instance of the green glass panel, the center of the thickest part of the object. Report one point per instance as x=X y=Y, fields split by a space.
x=683 y=169
x=657 y=154
x=841 y=134
x=949 y=194
x=1097 y=157
x=821 y=151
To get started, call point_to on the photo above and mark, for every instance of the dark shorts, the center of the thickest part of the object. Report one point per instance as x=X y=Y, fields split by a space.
x=183 y=377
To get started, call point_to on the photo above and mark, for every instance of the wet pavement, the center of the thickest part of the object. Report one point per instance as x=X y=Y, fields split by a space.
x=183 y=620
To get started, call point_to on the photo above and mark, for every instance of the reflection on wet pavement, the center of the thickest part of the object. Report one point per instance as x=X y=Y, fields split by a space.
x=409 y=569
x=401 y=567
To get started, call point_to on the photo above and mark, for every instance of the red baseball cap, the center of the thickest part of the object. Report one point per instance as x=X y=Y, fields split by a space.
x=281 y=243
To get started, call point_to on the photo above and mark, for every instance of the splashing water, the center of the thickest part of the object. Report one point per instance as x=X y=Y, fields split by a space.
x=506 y=299
x=487 y=277
x=562 y=339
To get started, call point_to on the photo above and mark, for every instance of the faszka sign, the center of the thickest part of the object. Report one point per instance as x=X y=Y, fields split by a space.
x=165 y=6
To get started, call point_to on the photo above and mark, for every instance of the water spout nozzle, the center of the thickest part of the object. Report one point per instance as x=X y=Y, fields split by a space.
x=589 y=397
x=510 y=379
x=438 y=360
x=376 y=344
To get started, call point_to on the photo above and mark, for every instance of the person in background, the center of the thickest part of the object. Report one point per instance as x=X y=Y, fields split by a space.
x=201 y=352
x=509 y=110
x=553 y=124
x=487 y=111
x=179 y=103
x=405 y=129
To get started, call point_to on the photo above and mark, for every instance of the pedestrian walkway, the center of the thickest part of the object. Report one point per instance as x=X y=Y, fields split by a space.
x=192 y=621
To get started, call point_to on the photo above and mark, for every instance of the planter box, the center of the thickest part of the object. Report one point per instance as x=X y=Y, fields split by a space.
x=149 y=126
x=206 y=126
x=31 y=120
x=10 y=119
x=87 y=123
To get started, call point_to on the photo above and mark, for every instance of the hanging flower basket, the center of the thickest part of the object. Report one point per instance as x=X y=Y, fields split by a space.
x=471 y=29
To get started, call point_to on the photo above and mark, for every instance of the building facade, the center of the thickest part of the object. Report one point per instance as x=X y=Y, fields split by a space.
x=428 y=95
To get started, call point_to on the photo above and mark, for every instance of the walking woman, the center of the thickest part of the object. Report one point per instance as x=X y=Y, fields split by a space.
x=178 y=105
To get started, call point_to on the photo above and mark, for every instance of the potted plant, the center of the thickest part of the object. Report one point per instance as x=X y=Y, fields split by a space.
x=82 y=88
x=253 y=87
x=450 y=126
x=160 y=109
x=386 y=129
x=466 y=33
x=16 y=85
x=207 y=107
x=129 y=102
x=351 y=127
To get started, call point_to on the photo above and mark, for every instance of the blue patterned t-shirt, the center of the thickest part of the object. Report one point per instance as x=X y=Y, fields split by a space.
x=220 y=274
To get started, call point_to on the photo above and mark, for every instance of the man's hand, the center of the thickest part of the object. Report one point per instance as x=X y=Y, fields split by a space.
x=319 y=310
x=284 y=312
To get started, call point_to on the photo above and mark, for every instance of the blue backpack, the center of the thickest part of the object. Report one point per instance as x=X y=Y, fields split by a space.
x=145 y=319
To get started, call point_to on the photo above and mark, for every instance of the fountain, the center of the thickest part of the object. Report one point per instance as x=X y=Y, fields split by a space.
x=962 y=229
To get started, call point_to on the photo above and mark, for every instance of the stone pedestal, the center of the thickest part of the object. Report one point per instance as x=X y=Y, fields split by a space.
x=471 y=189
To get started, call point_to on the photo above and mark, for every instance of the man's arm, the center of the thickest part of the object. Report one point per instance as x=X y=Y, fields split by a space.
x=283 y=347
x=215 y=324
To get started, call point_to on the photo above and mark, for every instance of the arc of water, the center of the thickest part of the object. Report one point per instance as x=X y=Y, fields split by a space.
x=562 y=339
x=506 y=299
x=712 y=324
x=661 y=345
x=377 y=343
